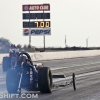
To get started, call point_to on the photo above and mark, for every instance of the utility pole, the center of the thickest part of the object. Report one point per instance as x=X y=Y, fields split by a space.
x=29 y=31
x=87 y=42
x=65 y=41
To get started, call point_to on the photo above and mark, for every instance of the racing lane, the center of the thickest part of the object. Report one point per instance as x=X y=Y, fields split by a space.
x=87 y=72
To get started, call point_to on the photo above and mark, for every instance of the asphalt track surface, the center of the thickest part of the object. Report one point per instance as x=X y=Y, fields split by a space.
x=87 y=72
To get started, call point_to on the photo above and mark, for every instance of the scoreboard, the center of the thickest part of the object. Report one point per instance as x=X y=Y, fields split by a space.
x=31 y=24
x=37 y=24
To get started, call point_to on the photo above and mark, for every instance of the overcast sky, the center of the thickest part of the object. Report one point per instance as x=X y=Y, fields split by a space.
x=77 y=19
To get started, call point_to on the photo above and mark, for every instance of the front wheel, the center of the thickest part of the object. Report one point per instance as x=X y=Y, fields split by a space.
x=74 y=85
x=45 y=80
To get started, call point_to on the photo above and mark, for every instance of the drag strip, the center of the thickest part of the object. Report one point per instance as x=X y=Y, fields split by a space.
x=87 y=72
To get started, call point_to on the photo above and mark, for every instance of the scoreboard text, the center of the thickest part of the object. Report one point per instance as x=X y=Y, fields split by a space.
x=37 y=24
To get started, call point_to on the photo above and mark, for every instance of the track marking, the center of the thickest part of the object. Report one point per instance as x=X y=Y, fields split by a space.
x=74 y=66
x=77 y=76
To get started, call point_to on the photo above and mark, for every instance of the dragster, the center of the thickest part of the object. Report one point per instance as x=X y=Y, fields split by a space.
x=33 y=77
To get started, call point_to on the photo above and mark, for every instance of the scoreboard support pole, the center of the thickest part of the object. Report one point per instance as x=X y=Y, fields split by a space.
x=43 y=35
x=29 y=31
x=44 y=42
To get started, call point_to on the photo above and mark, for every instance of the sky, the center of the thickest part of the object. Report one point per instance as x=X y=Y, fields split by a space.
x=77 y=19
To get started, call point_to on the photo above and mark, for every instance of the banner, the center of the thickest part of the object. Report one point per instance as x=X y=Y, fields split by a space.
x=37 y=32
x=37 y=7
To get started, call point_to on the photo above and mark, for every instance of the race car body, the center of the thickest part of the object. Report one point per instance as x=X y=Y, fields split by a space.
x=32 y=77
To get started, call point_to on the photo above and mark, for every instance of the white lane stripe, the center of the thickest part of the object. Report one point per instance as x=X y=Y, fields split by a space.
x=74 y=66
x=2 y=76
x=4 y=82
x=77 y=76
x=3 y=91
x=86 y=74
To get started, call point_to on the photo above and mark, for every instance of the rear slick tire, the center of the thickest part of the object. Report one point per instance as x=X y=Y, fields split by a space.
x=12 y=81
x=45 y=80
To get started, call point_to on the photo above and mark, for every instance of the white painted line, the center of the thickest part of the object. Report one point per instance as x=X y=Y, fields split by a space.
x=1 y=83
x=73 y=66
x=86 y=74
x=77 y=76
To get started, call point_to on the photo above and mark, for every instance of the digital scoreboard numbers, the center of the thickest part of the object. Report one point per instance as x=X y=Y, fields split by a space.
x=37 y=24
x=36 y=15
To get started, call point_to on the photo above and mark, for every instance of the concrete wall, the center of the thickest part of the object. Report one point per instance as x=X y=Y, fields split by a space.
x=59 y=55
x=63 y=54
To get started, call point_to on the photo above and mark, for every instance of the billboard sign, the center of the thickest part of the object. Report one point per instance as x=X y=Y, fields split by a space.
x=37 y=32
x=37 y=7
